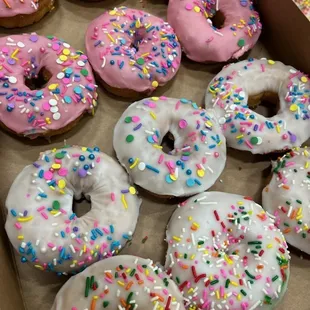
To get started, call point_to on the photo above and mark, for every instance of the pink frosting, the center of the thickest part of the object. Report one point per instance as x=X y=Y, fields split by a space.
x=10 y=8
x=68 y=94
x=131 y=49
x=201 y=41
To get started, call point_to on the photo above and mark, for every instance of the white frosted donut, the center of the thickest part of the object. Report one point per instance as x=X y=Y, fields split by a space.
x=41 y=224
x=224 y=252
x=245 y=129
x=287 y=197
x=120 y=282
x=199 y=153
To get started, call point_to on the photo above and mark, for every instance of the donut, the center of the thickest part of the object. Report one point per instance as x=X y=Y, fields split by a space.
x=199 y=153
x=46 y=85
x=287 y=197
x=242 y=86
x=22 y=13
x=224 y=252
x=214 y=30
x=120 y=282
x=133 y=52
x=41 y=224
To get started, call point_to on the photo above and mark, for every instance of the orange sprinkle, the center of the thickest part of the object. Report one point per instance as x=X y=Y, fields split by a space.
x=286 y=187
x=93 y=304
x=294 y=213
x=160 y=298
x=277 y=239
x=129 y=285
x=109 y=275
x=284 y=267
x=140 y=282
x=193 y=228
x=106 y=291
x=123 y=302
x=260 y=267
x=287 y=230
x=185 y=266
x=7 y=4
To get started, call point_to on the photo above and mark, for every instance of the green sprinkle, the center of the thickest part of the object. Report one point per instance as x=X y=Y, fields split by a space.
x=227 y=283
x=254 y=252
x=254 y=140
x=92 y=280
x=105 y=304
x=304 y=235
x=121 y=267
x=144 y=266
x=60 y=155
x=214 y=282
x=128 y=119
x=249 y=275
x=255 y=242
x=298 y=201
x=84 y=72
x=275 y=278
x=116 y=275
x=286 y=224
x=129 y=138
x=140 y=61
x=288 y=203
x=201 y=242
x=243 y=293
x=56 y=205
x=132 y=273
x=87 y=286
x=177 y=280
x=241 y=42
x=268 y=299
x=129 y=297
x=185 y=255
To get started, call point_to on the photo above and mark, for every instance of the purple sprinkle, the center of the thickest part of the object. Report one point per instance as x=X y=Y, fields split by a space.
x=75 y=229
x=33 y=38
x=255 y=127
x=82 y=173
x=185 y=158
x=137 y=127
x=124 y=191
x=36 y=165
x=11 y=61
x=25 y=213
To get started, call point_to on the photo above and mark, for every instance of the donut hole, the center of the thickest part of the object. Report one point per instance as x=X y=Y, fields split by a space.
x=218 y=20
x=266 y=103
x=38 y=81
x=168 y=143
x=81 y=206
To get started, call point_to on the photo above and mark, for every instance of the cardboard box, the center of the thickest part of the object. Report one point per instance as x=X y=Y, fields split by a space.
x=23 y=287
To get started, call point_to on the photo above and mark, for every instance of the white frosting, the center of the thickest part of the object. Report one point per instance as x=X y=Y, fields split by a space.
x=245 y=129
x=199 y=153
x=41 y=224
x=139 y=285
x=224 y=251
x=287 y=197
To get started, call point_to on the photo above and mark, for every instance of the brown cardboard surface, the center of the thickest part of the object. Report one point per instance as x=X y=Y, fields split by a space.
x=244 y=173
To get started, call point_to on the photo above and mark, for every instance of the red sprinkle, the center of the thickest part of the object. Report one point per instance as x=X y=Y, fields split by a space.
x=168 y=303
x=182 y=286
x=194 y=271
x=261 y=252
x=201 y=276
x=216 y=215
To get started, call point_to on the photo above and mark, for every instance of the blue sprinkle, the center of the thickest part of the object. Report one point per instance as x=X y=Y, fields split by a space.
x=99 y=232
x=13 y=212
x=72 y=216
x=63 y=234
x=111 y=229
x=152 y=168
x=190 y=182
x=197 y=182
x=67 y=99
x=168 y=179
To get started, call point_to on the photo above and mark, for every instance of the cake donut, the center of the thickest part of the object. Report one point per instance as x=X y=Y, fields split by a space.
x=46 y=86
x=133 y=52
x=214 y=30
x=22 y=13
x=287 y=197
x=199 y=153
x=240 y=87
x=41 y=224
x=224 y=252
x=120 y=282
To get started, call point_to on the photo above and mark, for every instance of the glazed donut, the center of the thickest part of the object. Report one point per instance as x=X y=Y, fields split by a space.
x=224 y=252
x=199 y=153
x=41 y=224
x=286 y=197
x=133 y=52
x=120 y=282
x=242 y=85
x=56 y=107
x=23 y=13
x=203 y=40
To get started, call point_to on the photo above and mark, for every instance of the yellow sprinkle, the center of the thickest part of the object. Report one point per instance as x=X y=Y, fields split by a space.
x=226 y=96
x=294 y=107
x=53 y=212
x=134 y=164
x=190 y=290
x=153 y=115
x=148 y=26
x=155 y=98
x=128 y=270
x=271 y=62
x=84 y=248
x=197 y=9
x=240 y=203
x=120 y=283
x=15 y=53
x=124 y=201
x=228 y=260
x=52 y=187
x=39 y=267
x=147 y=272
x=269 y=246
x=200 y=173
x=306 y=164
x=52 y=86
x=206 y=252
x=25 y=219
x=75 y=261
x=63 y=57
x=196 y=225
x=113 y=12
x=304 y=79
x=234 y=283
x=66 y=51
x=157 y=146
x=20 y=237
x=176 y=238
x=209 y=123
x=56 y=166
x=239 y=297
x=240 y=136
x=132 y=190
x=145 y=54
x=155 y=84
x=193 y=256
x=62 y=192
x=110 y=37
x=92 y=252
x=278 y=129
x=190 y=218
x=97 y=247
x=138 y=23
x=61 y=183
x=299 y=211
x=217 y=294
x=173 y=177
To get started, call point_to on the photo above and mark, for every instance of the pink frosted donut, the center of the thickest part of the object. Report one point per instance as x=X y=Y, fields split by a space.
x=133 y=52
x=43 y=110
x=20 y=13
x=195 y=23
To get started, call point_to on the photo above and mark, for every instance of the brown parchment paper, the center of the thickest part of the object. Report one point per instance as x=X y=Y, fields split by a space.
x=244 y=173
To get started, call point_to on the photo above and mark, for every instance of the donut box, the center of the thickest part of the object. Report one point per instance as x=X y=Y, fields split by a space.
x=285 y=38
